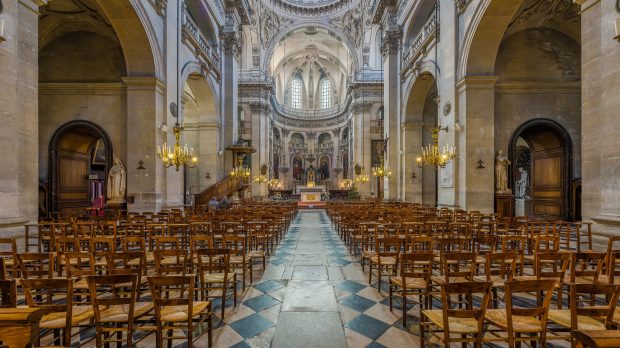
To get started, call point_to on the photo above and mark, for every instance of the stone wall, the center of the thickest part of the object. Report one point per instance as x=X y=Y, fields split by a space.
x=19 y=114
x=600 y=107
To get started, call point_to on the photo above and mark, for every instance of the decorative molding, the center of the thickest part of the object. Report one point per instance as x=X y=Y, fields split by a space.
x=461 y=5
x=565 y=9
x=159 y=6
x=391 y=42
x=231 y=43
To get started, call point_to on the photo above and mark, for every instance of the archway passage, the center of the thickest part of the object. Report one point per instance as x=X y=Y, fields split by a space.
x=543 y=148
x=80 y=157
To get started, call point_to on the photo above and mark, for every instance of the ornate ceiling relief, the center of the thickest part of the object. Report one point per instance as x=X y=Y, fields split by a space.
x=564 y=9
x=269 y=27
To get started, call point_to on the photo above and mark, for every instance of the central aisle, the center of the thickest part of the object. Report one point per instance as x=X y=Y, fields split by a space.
x=312 y=294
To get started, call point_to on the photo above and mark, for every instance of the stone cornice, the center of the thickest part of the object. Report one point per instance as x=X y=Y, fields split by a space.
x=82 y=88
x=529 y=87
x=476 y=82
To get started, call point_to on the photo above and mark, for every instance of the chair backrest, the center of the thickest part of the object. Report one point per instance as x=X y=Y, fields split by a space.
x=236 y=244
x=458 y=264
x=173 y=290
x=453 y=244
x=502 y=264
x=388 y=247
x=581 y=294
x=551 y=264
x=516 y=290
x=587 y=264
x=51 y=294
x=547 y=242
x=126 y=262
x=417 y=265
x=466 y=309
x=8 y=293
x=79 y=264
x=201 y=242
x=134 y=244
x=485 y=244
x=35 y=265
x=167 y=243
x=171 y=261
x=105 y=293
x=213 y=261
x=419 y=244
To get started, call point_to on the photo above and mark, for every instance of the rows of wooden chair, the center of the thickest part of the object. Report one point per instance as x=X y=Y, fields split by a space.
x=482 y=278
x=141 y=272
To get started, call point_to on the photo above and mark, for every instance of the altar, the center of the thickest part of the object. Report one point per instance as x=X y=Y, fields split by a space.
x=310 y=194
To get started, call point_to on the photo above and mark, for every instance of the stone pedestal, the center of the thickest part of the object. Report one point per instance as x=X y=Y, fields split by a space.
x=523 y=207
x=504 y=204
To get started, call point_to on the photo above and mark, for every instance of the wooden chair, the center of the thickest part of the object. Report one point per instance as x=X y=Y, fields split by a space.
x=51 y=294
x=499 y=268
x=175 y=309
x=130 y=262
x=416 y=270
x=458 y=266
x=216 y=278
x=80 y=265
x=596 y=316
x=517 y=320
x=239 y=258
x=115 y=312
x=258 y=241
x=388 y=251
x=8 y=293
x=174 y=262
x=463 y=317
x=8 y=251
x=36 y=265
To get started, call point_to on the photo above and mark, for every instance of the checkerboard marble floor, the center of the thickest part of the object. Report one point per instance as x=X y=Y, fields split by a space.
x=313 y=294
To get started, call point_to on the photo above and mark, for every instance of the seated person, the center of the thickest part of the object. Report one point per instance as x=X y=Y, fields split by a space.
x=224 y=203
x=213 y=204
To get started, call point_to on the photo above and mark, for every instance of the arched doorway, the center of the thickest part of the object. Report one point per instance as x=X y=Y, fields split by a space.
x=80 y=155
x=543 y=148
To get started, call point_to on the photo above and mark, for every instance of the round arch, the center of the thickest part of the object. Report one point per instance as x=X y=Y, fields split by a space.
x=82 y=127
x=528 y=130
x=484 y=35
x=353 y=52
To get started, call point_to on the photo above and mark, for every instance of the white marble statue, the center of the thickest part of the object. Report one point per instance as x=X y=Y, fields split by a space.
x=116 y=182
x=501 y=172
x=522 y=184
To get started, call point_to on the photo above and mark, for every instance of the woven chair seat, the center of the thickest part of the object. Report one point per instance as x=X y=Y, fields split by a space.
x=520 y=324
x=57 y=320
x=457 y=325
x=391 y=261
x=410 y=283
x=562 y=317
x=218 y=277
x=178 y=314
x=120 y=313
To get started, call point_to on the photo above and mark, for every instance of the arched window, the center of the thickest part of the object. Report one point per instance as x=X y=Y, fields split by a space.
x=326 y=90
x=296 y=93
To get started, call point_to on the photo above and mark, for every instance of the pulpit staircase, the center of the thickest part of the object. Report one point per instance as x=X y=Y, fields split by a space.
x=225 y=187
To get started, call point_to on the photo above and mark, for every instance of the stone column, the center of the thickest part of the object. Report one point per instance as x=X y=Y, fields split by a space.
x=259 y=141
x=390 y=48
x=336 y=158
x=412 y=140
x=19 y=78
x=231 y=48
x=285 y=161
x=145 y=115
x=476 y=101
x=600 y=53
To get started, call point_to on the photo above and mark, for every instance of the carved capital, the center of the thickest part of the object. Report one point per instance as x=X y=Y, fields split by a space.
x=159 y=6
x=231 y=43
x=390 y=44
x=461 y=5
x=360 y=106
x=260 y=107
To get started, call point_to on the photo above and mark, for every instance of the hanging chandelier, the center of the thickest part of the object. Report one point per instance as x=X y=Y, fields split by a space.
x=273 y=183
x=432 y=156
x=347 y=184
x=260 y=179
x=382 y=171
x=176 y=156
x=241 y=172
x=362 y=178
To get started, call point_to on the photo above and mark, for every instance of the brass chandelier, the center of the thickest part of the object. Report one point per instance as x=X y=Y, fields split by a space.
x=176 y=156
x=241 y=172
x=273 y=183
x=362 y=178
x=382 y=171
x=432 y=155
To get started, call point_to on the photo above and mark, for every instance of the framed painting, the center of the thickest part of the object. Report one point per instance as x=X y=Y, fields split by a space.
x=99 y=153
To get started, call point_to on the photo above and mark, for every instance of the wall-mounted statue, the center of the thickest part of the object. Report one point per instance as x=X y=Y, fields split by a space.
x=501 y=172
x=269 y=27
x=116 y=185
x=522 y=184
x=352 y=26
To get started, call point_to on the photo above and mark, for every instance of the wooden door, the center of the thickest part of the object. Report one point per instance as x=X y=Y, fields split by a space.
x=73 y=171
x=548 y=183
